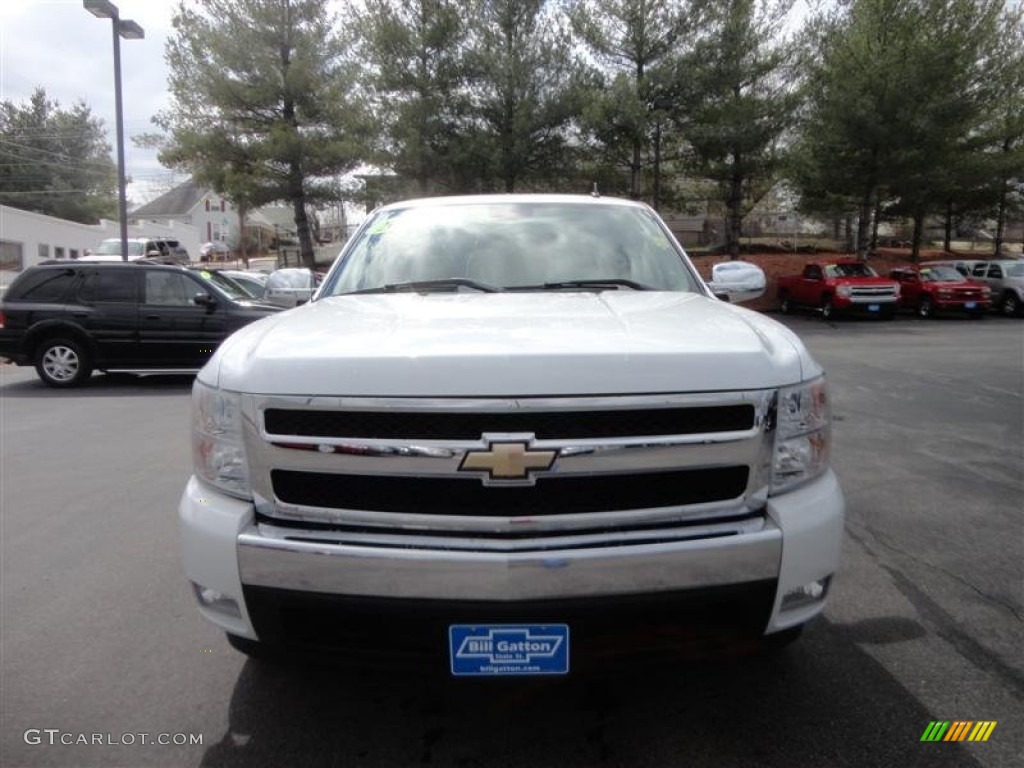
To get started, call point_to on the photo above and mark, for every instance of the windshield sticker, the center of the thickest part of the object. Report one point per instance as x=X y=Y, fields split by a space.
x=380 y=227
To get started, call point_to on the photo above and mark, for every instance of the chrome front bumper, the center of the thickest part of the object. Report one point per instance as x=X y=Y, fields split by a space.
x=439 y=574
x=226 y=551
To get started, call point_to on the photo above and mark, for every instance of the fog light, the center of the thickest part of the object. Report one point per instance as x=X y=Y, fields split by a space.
x=213 y=600
x=806 y=595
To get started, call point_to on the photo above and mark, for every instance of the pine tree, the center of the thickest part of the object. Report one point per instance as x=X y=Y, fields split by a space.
x=265 y=102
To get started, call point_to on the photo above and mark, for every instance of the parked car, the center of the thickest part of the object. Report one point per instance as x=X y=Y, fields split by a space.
x=174 y=250
x=290 y=287
x=254 y=282
x=229 y=285
x=844 y=285
x=214 y=251
x=928 y=290
x=157 y=249
x=1005 y=278
x=69 y=319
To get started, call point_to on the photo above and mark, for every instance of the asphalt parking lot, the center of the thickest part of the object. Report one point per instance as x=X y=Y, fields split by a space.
x=98 y=634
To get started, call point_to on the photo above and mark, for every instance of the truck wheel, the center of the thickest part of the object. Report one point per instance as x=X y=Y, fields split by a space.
x=827 y=310
x=777 y=641
x=925 y=308
x=785 y=307
x=1011 y=305
x=62 y=363
x=253 y=648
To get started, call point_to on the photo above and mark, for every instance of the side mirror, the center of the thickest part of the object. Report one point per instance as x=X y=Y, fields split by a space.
x=737 y=281
x=204 y=300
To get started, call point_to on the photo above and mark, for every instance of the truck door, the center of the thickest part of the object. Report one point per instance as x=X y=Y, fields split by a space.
x=808 y=288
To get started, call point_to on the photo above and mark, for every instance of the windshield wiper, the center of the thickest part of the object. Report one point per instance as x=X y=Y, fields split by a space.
x=597 y=284
x=428 y=286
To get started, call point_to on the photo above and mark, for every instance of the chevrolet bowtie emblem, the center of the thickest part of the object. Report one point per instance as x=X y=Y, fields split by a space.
x=512 y=460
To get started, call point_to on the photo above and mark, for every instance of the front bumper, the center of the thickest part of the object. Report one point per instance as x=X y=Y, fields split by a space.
x=960 y=305
x=226 y=554
x=866 y=304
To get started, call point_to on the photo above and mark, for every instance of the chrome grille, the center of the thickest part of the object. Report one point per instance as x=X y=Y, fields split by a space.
x=880 y=290
x=712 y=466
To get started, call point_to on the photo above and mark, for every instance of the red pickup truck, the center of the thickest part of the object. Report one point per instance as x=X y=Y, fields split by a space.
x=929 y=289
x=843 y=285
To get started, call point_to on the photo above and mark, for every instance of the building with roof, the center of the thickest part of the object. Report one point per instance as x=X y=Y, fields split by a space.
x=191 y=203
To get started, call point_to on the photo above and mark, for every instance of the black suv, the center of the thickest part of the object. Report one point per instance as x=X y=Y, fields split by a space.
x=69 y=319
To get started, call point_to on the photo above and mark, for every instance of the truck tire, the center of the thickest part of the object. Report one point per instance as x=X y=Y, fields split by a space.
x=827 y=309
x=785 y=306
x=62 y=362
x=254 y=649
x=925 y=308
x=775 y=642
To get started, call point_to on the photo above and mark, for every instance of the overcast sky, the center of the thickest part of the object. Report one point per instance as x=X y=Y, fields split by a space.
x=60 y=46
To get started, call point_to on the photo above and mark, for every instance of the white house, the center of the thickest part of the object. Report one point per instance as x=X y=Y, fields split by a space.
x=214 y=218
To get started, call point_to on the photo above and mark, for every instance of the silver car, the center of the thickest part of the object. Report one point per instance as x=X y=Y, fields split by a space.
x=1005 y=278
x=290 y=287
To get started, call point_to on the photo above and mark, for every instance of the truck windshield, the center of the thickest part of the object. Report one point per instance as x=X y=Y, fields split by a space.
x=509 y=245
x=941 y=275
x=850 y=269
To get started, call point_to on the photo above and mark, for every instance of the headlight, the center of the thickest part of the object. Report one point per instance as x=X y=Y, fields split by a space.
x=844 y=290
x=802 y=434
x=896 y=290
x=218 y=454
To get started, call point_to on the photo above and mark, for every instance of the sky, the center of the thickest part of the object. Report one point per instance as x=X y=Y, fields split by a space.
x=60 y=46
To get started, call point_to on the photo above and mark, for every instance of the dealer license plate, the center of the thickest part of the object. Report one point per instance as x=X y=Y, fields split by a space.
x=970 y=304
x=873 y=307
x=506 y=650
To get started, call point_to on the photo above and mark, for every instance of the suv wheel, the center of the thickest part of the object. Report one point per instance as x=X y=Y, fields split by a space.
x=62 y=363
x=785 y=306
x=1011 y=305
x=925 y=308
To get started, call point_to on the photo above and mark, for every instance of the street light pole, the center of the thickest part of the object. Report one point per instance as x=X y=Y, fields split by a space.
x=129 y=30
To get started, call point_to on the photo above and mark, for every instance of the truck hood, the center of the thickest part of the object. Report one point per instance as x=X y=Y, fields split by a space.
x=510 y=344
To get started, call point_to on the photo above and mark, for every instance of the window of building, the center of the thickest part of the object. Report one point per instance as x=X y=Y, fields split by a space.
x=207 y=201
x=11 y=256
x=44 y=251
x=58 y=252
x=222 y=206
x=73 y=253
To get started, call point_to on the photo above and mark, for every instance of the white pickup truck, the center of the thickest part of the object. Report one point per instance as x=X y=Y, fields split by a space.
x=510 y=432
